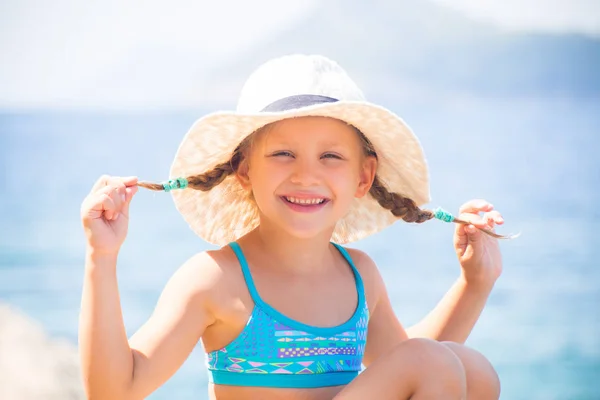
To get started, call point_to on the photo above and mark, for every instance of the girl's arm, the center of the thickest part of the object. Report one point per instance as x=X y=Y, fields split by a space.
x=385 y=330
x=452 y=320
x=480 y=260
x=455 y=315
x=116 y=368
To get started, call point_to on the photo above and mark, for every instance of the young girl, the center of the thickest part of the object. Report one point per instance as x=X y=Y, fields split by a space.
x=283 y=310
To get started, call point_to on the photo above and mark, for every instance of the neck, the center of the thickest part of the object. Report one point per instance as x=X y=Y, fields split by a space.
x=290 y=253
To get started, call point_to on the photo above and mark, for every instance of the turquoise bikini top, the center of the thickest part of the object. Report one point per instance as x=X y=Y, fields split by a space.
x=276 y=351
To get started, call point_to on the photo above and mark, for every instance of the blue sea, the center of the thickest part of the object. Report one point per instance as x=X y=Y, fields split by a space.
x=535 y=159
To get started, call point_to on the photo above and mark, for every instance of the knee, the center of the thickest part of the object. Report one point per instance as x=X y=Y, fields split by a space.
x=435 y=365
x=482 y=379
x=432 y=354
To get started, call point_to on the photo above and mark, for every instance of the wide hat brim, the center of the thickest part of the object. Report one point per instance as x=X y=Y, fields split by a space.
x=225 y=213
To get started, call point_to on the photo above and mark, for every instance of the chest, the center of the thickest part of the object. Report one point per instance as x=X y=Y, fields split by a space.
x=308 y=327
x=326 y=301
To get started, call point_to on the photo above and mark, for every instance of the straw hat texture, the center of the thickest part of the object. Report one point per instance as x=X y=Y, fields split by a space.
x=287 y=87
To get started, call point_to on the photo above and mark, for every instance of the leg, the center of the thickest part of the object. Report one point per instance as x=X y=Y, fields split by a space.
x=482 y=380
x=417 y=369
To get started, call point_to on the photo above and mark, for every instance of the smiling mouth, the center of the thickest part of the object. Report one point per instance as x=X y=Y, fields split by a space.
x=305 y=202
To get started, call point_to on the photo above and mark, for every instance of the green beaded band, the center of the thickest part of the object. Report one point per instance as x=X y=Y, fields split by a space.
x=443 y=215
x=172 y=184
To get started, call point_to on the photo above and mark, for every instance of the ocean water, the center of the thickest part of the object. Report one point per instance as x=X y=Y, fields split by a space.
x=535 y=159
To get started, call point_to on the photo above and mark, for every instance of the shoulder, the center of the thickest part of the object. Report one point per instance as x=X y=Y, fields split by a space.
x=370 y=274
x=205 y=277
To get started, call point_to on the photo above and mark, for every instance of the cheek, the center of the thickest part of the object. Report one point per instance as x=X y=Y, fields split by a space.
x=263 y=180
x=346 y=180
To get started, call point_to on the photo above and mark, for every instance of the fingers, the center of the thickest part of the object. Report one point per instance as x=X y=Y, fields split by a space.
x=107 y=206
x=476 y=223
x=462 y=239
x=461 y=235
x=487 y=220
x=130 y=180
x=493 y=217
x=129 y=193
x=472 y=230
x=475 y=206
x=100 y=183
x=470 y=212
x=111 y=196
x=105 y=180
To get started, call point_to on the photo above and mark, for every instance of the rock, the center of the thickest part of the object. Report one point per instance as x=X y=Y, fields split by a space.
x=33 y=365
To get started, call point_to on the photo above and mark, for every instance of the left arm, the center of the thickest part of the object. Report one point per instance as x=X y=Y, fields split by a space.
x=455 y=315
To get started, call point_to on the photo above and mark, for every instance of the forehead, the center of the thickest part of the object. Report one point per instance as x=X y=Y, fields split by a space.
x=313 y=129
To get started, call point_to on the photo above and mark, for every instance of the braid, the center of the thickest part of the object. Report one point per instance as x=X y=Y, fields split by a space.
x=405 y=208
x=210 y=179
x=400 y=206
x=207 y=180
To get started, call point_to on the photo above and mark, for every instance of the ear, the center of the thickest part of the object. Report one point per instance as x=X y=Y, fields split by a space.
x=366 y=176
x=242 y=175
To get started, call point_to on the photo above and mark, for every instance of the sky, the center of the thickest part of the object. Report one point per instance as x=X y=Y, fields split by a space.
x=52 y=51
x=556 y=16
x=69 y=53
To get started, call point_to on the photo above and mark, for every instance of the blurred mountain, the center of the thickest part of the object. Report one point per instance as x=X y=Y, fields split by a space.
x=423 y=49
x=420 y=49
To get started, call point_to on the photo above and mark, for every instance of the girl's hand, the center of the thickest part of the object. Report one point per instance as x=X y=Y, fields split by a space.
x=478 y=253
x=105 y=213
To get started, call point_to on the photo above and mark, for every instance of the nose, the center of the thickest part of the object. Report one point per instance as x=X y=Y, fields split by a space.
x=305 y=173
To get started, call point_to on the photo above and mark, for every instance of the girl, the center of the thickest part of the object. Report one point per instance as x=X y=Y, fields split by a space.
x=283 y=310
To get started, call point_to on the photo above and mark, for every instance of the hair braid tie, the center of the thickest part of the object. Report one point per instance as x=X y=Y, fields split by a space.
x=204 y=182
x=405 y=208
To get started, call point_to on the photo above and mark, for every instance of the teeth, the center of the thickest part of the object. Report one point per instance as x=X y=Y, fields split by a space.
x=304 y=201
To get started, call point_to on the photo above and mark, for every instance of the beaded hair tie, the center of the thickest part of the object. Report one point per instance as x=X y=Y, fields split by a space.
x=172 y=184
x=445 y=216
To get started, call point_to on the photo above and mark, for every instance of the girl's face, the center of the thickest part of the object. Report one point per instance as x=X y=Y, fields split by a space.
x=304 y=174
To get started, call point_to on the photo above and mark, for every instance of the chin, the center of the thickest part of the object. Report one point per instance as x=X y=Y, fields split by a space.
x=300 y=226
x=306 y=231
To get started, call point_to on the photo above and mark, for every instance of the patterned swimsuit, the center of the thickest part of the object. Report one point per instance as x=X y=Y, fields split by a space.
x=276 y=351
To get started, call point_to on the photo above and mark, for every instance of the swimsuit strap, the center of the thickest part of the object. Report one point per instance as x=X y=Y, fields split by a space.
x=246 y=271
x=252 y=288
x=359 y=282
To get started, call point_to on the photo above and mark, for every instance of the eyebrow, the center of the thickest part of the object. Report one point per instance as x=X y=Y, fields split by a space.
x=288 y=143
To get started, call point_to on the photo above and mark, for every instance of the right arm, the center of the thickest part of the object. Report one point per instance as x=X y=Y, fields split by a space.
x=117 y=368
x=114 y=367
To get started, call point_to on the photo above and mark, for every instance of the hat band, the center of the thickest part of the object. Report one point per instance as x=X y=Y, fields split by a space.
x=297 y=101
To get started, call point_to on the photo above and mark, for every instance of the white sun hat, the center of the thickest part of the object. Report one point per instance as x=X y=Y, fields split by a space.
x=287 y=87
